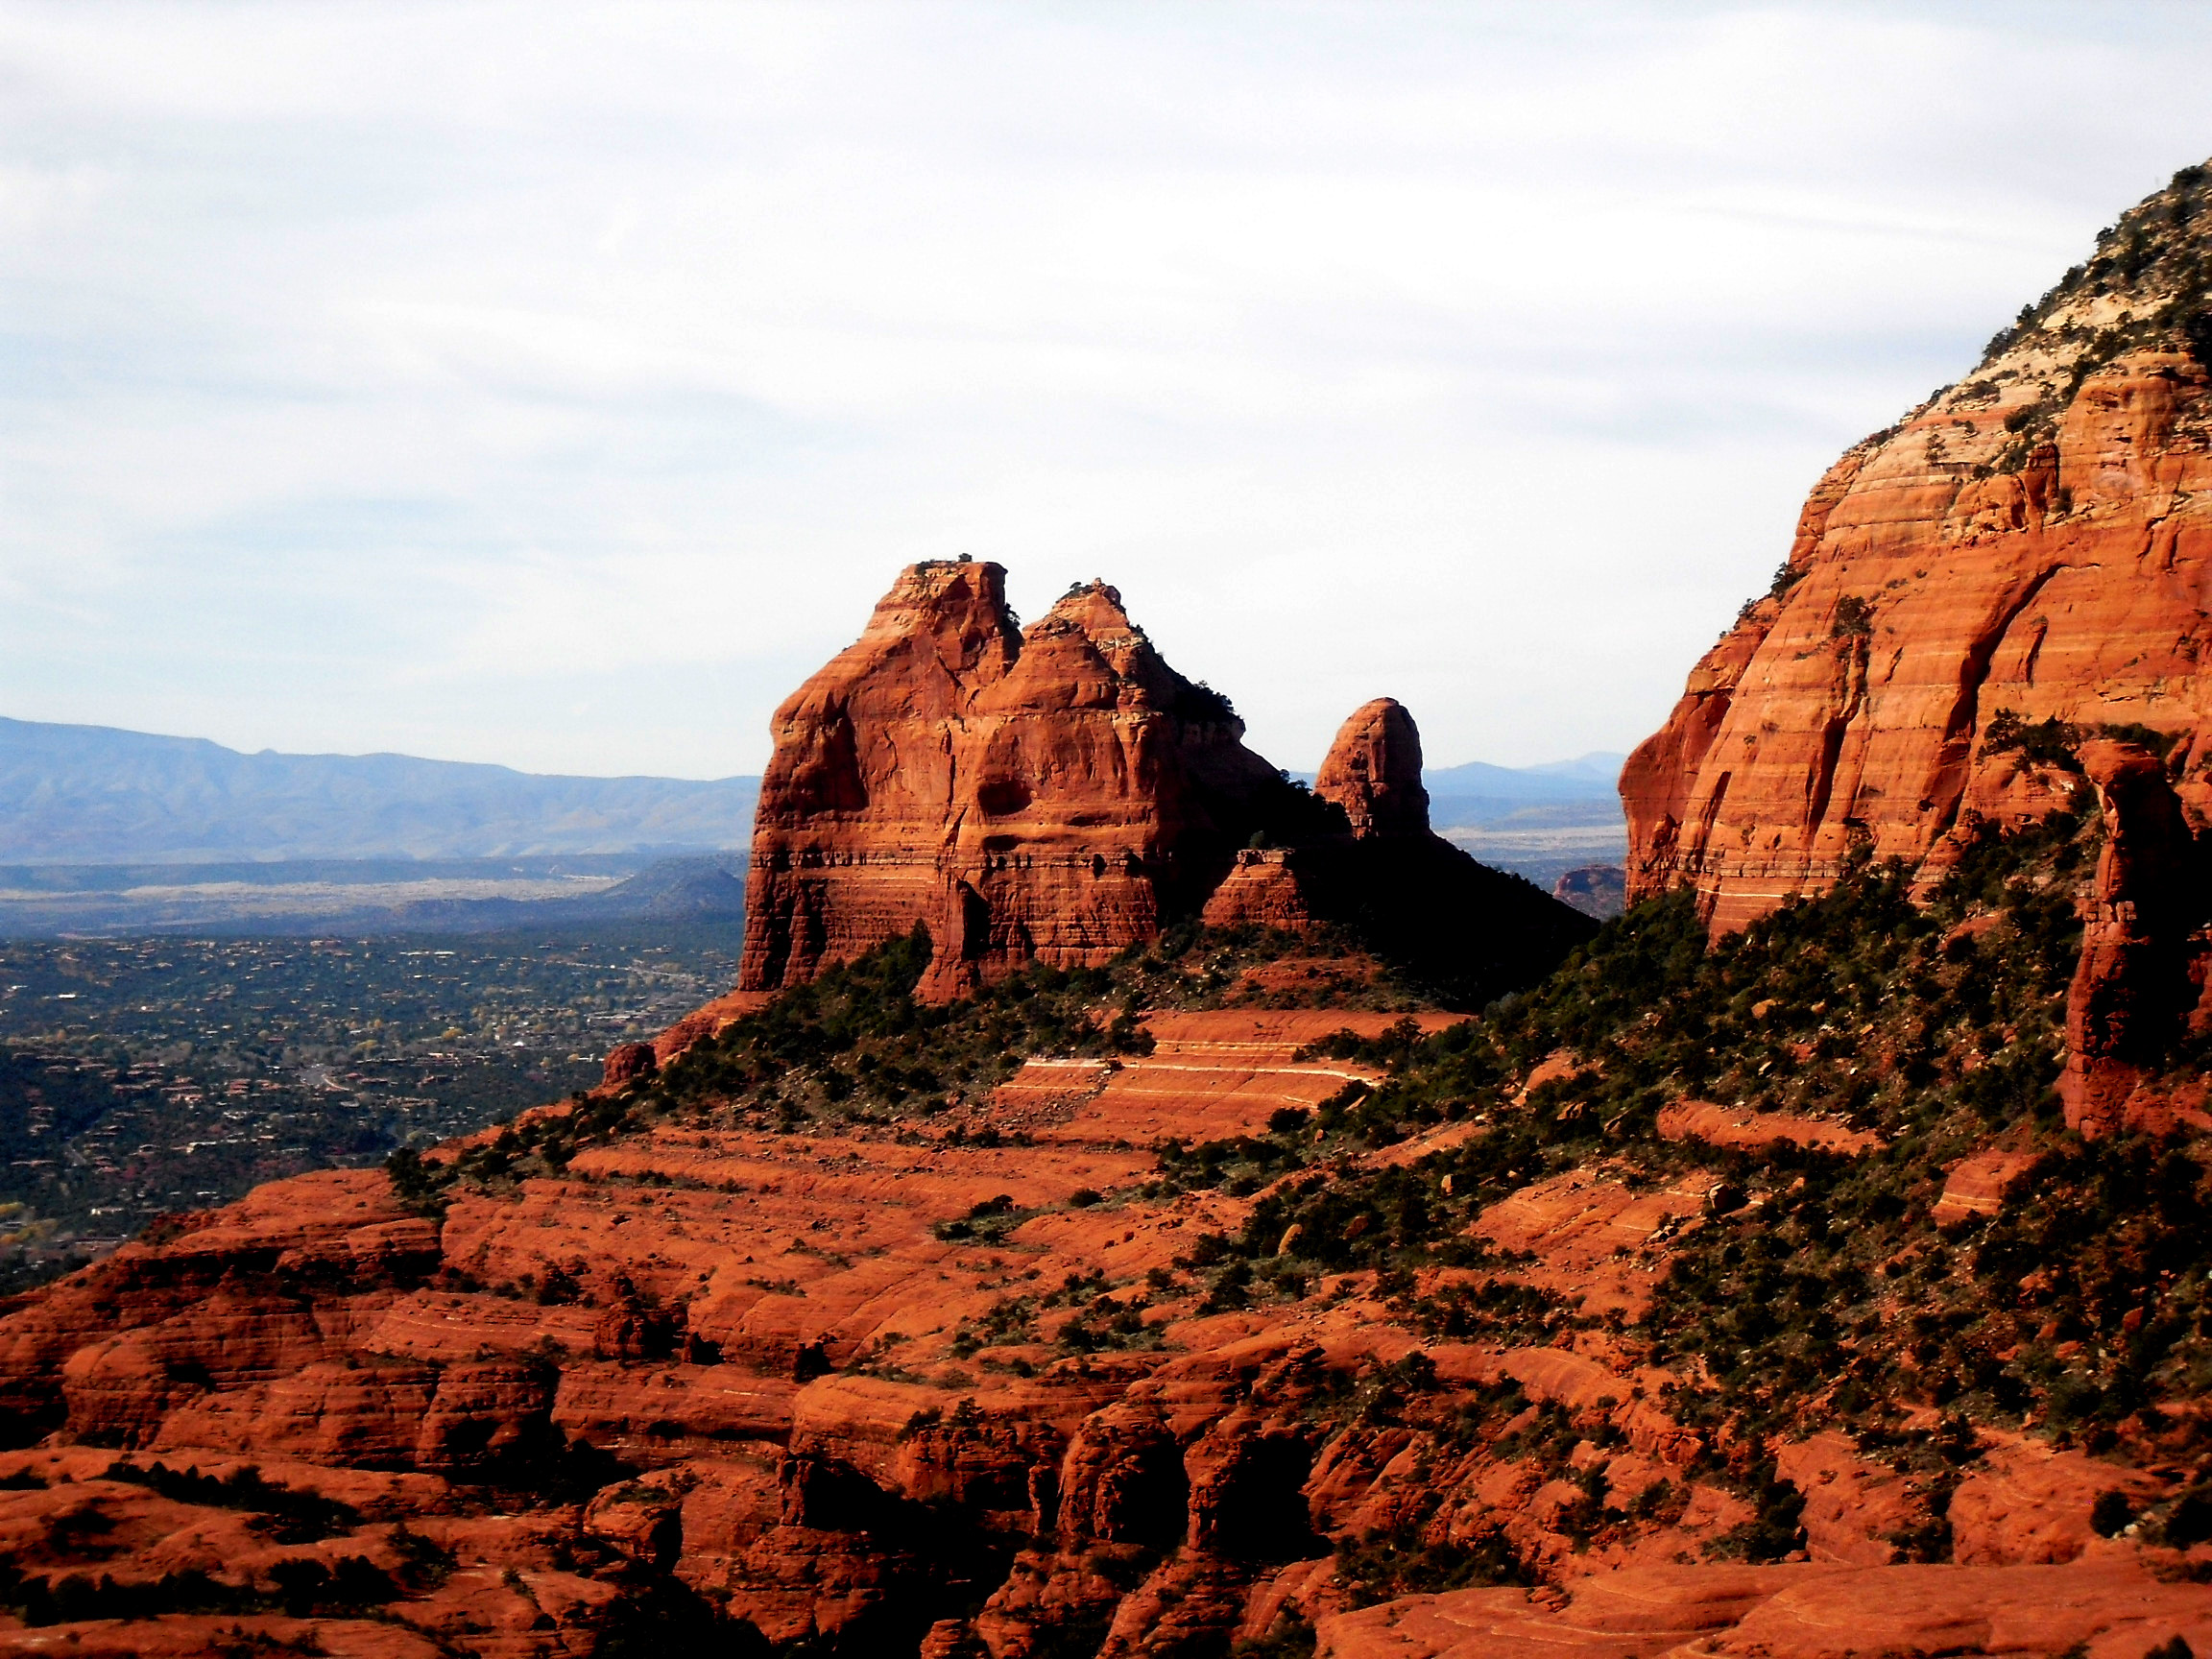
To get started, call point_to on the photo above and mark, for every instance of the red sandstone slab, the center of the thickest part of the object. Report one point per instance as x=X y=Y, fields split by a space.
x=1443 y=1138
x=1628 y=1615
x=1575 y=1381
x=934 y=1178
x=1196 y=1099
x=2025 y=1503
x=442 y=1326
x=1809 y=1610
x=2110 y=1601
x=1852 y=1503
x=1124 y=1241
x=1270 y=1035
x=1979 y=1184
x=1046 y=1083
x=854 y=1409
x=1735 y=1127
x=649 y=1411
x=1595 y=1240
x=195 y=1636
x=129 y=1519
x=708 y=1022
x=359 y=1487
x=1560 y=1063
x=310 y=1213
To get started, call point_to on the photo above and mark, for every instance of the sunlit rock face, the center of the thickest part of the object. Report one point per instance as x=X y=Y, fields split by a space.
x=1372 y=772
x=2033 y=544
x=1059 y=793
x=1051 y=793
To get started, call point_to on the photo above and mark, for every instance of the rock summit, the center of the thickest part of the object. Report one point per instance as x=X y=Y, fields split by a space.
x=1058 y=793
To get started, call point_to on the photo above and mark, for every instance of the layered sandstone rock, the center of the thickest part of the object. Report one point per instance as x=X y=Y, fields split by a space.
x=1054 y=793
x=1807 y=1610
x=2032 y=545
x=1372 y=772
x=626 y=1063
x=1059 y=793
x=763 y=1329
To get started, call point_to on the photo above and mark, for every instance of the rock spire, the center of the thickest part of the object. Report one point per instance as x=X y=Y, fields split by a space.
x=1372 y=772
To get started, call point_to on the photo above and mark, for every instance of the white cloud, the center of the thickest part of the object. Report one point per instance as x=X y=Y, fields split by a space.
x=558 y=383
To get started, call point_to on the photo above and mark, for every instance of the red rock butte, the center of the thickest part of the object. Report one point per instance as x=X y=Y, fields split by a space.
x=1059 y=793
x=2032 y=545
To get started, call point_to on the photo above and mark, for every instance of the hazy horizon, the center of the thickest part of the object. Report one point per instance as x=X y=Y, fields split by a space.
x=1556 y=764
x=556 y=385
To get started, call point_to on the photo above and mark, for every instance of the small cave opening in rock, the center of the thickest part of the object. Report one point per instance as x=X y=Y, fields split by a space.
x=1002 y=797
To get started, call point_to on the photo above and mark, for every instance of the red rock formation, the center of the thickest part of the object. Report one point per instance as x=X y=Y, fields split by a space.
x=1809 y=1610
x=1262 y=889
x=702 y=1023
x=626 y=1063
x=1056 y=793
x=1979 y=1184
x=2131 y=986
x=1373 y=771
x=323 y=1331
x=791 y=1341
x=1379 y=869
x=2033 y=544
x=1722 y=1127
x=1060 y=793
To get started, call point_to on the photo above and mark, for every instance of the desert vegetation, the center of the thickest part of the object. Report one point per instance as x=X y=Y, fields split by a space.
x=1816 y=1291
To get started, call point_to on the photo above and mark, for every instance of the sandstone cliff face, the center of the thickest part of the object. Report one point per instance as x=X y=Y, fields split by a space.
x=2133 y=984
x=1059 y=793
x=2032 y=545
x=1055 y=793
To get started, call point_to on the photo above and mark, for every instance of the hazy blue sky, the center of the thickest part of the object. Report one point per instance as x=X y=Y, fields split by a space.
x=558 y=384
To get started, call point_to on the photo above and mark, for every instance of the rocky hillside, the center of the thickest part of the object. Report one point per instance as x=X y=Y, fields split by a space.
x=1058 y=793
x=1754 y=1298
x=2031 y=545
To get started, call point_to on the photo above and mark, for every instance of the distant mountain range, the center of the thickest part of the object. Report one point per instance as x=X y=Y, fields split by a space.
x=1592 y=777
x=695 y=889
x=93 y=794
x=1537 y=820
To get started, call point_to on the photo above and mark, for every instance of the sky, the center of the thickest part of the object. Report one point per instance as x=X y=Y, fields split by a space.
x=559 y=385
